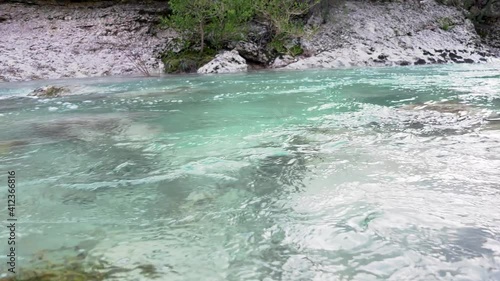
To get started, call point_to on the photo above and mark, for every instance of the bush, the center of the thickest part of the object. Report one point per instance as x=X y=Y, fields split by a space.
x=295 y=50
x=281 y=15
x=212 y=21
x=445 y=24
x=282 y=45
x=477 y=11
x=208 y=26
x=217 y=22
x=186 y=61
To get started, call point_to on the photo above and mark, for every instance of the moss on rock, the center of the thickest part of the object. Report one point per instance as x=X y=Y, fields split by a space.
x=285 y=46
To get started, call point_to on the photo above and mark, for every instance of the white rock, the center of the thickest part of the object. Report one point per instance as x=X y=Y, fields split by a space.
x=409 y=35
x=225 y=62
x=282 y=62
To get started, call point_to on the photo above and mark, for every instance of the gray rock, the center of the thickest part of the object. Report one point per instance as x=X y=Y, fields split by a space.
x=420 y=62
x=225 y=62
x=408 y=34
x=79 y=40
x=252 y=51
x=282 y=61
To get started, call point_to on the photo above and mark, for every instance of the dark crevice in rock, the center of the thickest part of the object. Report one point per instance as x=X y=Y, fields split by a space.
x=420 y=62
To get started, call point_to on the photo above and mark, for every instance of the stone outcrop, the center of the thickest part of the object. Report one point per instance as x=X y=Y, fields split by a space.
x=225 y=62
x=251 y=51
x=492 y=37
x=282 y=61
x=46 y=41
x=373 y=33
x=486 y=15
x=398 y=33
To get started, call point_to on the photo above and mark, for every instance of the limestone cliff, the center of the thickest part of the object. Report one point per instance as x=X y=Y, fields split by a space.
x=55 y=40
x=52 y=39
x=367 y=33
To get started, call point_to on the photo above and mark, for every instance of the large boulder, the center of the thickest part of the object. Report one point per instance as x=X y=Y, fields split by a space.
x=225 y=62
x=282 y=61
x=253 y=52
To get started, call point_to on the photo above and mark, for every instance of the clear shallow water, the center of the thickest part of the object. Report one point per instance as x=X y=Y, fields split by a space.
x=313 y=175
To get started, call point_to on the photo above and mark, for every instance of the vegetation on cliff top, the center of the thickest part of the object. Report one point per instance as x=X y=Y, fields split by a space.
x=210 y=25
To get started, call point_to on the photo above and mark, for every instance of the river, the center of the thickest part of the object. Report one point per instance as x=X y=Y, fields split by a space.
x=356 y=174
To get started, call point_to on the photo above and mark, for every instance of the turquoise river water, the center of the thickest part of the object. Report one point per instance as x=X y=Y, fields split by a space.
x=358 y=174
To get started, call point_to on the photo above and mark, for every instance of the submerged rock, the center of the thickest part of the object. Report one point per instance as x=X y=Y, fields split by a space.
x=445 y=118
x=49 y=92
x=91 y=128
x=78 y=197
x=198 y=198
x=225 y=62
x=6 y=146
x=82 y=128
x=443 y=107
x=495 y=117
x=492 y=122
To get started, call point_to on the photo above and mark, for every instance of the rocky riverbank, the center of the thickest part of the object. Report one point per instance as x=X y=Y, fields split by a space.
x=113 y=38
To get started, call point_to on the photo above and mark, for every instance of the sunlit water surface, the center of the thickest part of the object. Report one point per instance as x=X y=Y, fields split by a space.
x=360 y=174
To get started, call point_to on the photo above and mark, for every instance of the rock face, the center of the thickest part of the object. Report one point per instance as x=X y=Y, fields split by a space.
x=251 y=51
x=79 y=39
x=487 y=16
x=492 y=36
x=225 y=62
x=282 y=61
x=99 y=38
x=364 y=33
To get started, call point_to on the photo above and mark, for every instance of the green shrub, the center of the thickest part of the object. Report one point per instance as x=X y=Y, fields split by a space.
x=295 y=50
x=445 y=24
x=215 y=23
x=188 y=60
x=210 y=25
x=283 y=46
x=477 y=11
x=212 y=21
x=281 y=15
x=278 y=45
